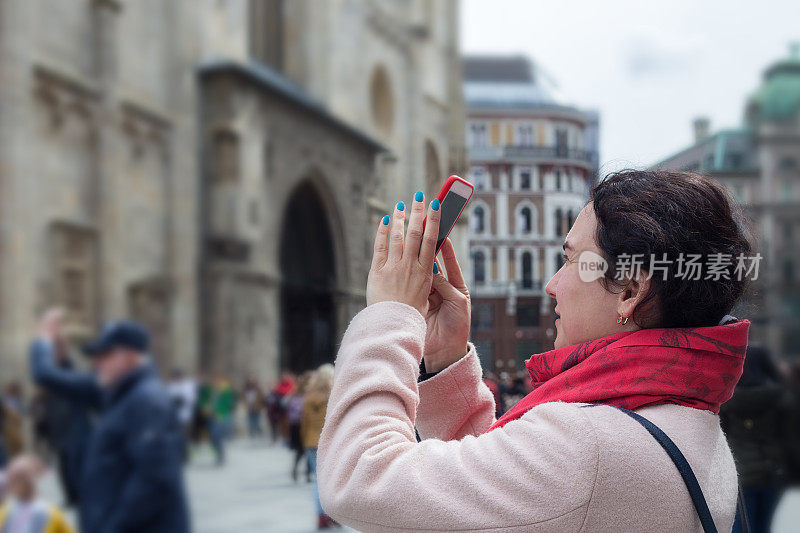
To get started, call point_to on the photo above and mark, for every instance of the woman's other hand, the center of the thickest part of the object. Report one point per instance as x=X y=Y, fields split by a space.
x=448 y=315
x=401 y=269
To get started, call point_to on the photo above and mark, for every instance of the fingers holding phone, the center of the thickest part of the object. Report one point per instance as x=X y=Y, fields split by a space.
x=398 y=272
x=430 y=228
x=448 y=318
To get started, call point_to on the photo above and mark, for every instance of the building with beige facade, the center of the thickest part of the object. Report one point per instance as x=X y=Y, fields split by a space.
x=214 y=168
x=533 y=158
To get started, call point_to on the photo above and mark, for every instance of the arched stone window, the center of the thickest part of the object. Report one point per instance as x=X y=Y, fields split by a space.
x=525 y=220
x=433 y=172
x=225 y=150
x=479 y=266
x=559 y=222
x=527 y=270
x=478 y=220
x=382 y=100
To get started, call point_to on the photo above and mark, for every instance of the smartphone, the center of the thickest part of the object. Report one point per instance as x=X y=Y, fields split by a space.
x=453 y=198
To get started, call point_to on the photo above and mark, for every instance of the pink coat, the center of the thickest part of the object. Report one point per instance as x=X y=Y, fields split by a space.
x=558 y=468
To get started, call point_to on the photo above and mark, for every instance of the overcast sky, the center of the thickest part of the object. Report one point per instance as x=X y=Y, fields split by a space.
x=649 y=67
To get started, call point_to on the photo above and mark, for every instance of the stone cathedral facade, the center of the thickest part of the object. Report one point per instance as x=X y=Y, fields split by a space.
x=214 y=168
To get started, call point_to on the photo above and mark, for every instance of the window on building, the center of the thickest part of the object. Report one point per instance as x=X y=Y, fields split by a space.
x=266 y=32
x=494 y=134
x=787 y=163
x=433 y=171
x=561 y=143
x=559 y=261
x=559 y=222
x=479 y=178
x=478 y=219
x=478 y=133
x=525 y=221
x=485 y=349
x=382 y=100
x=527 y=270
x=734 y=160
x=525 y=134
x=558 y=180
x=738 y=191
x=479 y=266
x=570 y=219
x=541 y=134
x=482 y=316
x=527 y=315
x=788 y=190
x=226 y=156
x=525 y=179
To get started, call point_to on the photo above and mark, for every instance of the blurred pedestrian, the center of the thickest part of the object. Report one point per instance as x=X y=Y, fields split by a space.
x=37 y=411
x=315 y=403
x=3 y=452
x=512 y=390
x=131 y=478
x=67 y=418
x=183 y=393
x=284 y=387
x=13 y=410
x=223 y=404
x=25 y=512
x=253 y=404
x=272 y=411
x=491 y=381
x=202 y=410
x=792 y=438
x=754 y=421
x=294 y=413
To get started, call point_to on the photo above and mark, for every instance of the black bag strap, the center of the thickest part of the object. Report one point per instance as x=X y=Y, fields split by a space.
x=683 y=467
x=686 y=473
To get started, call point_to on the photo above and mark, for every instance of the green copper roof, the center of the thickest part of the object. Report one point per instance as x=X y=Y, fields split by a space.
x=778 y=98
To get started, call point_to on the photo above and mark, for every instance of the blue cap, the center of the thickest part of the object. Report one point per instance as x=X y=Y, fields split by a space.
x=119 y=334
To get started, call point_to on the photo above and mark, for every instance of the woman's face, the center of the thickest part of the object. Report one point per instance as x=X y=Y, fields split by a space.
x=586 y=310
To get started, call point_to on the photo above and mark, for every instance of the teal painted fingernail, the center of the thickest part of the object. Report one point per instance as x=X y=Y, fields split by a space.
x=385 y=220
x=418 y=196
x=401 y=205
x=435 y=268
x=435 y=204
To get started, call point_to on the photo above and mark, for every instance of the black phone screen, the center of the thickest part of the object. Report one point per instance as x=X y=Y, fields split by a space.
x=451 y=207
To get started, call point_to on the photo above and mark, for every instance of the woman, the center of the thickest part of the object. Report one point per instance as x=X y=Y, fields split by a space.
x=549 y=464
x=294 y=414
x=252 y=400
x=315 y=402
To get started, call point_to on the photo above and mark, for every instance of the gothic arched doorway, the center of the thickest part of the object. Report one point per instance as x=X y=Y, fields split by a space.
x=308 y=269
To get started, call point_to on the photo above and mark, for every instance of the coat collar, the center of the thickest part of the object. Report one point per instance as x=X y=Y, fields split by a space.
x=121 y=388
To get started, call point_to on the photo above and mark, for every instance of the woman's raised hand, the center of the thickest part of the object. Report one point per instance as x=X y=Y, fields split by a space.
x=448 y=315
x=401 y=270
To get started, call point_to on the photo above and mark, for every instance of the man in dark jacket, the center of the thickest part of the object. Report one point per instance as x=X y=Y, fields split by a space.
x=68 y=423
x=131 y=478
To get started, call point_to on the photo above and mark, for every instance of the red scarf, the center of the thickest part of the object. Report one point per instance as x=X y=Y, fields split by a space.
x=695 y=367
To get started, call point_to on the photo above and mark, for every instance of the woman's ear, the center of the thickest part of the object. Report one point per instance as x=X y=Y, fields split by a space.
x=633 y=293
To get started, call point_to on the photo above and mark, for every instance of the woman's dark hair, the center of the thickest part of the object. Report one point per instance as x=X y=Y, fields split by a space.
x=658 y=212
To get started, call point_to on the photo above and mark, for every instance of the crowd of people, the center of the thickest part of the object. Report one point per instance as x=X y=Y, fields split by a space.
x=118 y=437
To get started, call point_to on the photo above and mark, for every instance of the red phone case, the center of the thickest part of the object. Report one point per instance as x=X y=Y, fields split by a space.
x=443 y=192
